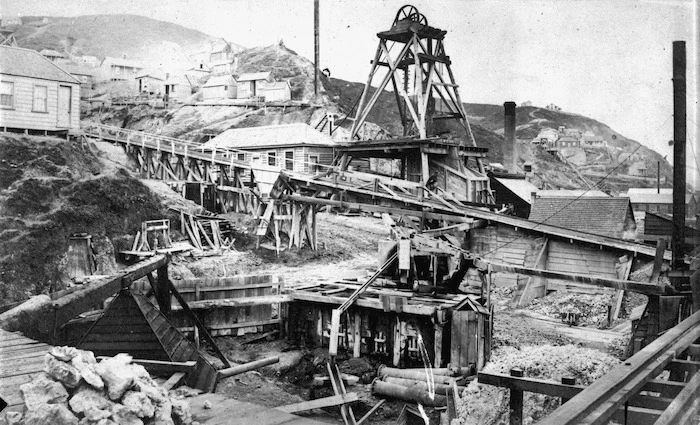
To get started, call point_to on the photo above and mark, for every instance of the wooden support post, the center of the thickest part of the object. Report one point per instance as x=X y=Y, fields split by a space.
x=516 y=400
x=567 y=380
x=438 y=345
x=163 y=290
x=357 y=335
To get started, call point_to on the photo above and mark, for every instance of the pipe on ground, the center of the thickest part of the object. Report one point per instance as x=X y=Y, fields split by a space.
x=415 y=374
x=407 y=394
x=238 y=369
x=421 y=385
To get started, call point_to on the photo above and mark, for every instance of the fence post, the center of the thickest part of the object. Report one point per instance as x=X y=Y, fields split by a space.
x=567 y=380
x=516 y=400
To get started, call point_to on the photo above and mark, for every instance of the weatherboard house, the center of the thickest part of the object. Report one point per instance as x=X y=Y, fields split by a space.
x=117 y=69
x=35 y=93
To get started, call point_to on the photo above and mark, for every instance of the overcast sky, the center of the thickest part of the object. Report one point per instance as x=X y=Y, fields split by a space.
x=610 y=60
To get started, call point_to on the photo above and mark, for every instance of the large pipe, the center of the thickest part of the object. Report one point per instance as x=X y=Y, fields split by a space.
x=235 y=370
x=316 y=48
x=679 y=137
x=441 y=389
x=415 y=374
x=509 y=154
x=407 y=394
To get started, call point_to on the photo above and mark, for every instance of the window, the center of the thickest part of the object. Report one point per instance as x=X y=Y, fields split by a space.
x=313 y=167
x=7 y=94
x=289 y=160
x=40 y=99
x=241 y=157
x=272 y=158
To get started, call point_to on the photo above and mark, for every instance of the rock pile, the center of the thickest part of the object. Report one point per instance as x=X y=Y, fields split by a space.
x=75 y=389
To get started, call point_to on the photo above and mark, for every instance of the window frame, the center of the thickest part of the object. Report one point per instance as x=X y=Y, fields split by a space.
x=314 y=166
x=11 y=95
x=46 y=100
x=289 y=162
x=271 y=158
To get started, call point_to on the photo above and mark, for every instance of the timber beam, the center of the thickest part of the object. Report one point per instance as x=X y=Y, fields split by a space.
x=626 y=285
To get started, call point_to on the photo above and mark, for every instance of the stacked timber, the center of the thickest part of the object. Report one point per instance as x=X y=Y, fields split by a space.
x=207 y=233
x=429 y=387
x=74 y=388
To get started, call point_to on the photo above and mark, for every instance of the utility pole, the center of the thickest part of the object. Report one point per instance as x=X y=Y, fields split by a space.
x=316 y=49
x=679 y=141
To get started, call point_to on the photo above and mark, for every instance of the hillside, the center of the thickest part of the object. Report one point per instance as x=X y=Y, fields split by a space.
x=133 y=36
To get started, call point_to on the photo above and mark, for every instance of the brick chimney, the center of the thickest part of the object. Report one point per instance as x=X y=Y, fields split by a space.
x=509 y=154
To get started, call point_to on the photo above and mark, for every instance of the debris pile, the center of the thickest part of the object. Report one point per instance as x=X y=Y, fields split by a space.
x=592 y=309
x=76 y=389
x=485 y=404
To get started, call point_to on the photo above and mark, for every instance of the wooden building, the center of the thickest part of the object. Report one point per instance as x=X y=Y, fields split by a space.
x=656 y=224
x=297 y=147
x=84 y=74
x=222 y=67
x=35 y=93
x=117 y=69
x=253 y=84
x=513 y=190
x=219 y=87
x=53 y=55
x=278 y=91
x=660 y=201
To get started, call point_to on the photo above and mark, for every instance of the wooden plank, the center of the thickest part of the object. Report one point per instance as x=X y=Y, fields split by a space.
x=319 y=403
x=173 y=380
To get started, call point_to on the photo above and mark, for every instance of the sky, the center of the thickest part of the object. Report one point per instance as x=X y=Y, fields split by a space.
x=609 y=60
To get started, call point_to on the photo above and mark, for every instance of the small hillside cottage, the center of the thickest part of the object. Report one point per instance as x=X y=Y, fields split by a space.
x=253 y=84
x=221 y=87
x=116 y=69
x=35 y=93
x=53 y=55
x=278 y=91
x=84 y=74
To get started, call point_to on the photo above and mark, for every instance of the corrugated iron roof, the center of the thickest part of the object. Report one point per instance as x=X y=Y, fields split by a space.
x=648 y=195
x=268 y=136
x=569 y=193
x=30 y=63
x=605 y=216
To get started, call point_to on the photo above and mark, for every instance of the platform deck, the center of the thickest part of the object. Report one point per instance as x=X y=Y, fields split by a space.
x=20 y=359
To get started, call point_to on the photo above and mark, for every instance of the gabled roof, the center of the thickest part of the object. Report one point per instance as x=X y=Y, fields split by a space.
x=52 y=53
x=567 y=139
x=254 y=76
x=75 y=69
x=157 y=74
x=270 y=136
x=222 y=80
x=127 y=63
x=30 y=63
x=520 y=187
x=570 y=193
x=221 y=62
x=605 y=216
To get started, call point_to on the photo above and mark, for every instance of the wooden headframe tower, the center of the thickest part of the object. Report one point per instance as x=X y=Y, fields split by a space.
x=413 y=56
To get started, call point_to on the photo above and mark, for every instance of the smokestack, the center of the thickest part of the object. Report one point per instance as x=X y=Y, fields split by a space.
x=679 y=131
x=316 y=48
x=509 y=155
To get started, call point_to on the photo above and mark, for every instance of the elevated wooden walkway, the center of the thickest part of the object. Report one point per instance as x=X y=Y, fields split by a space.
x=20 y=359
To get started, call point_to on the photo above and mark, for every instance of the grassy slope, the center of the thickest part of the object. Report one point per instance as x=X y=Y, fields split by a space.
x=135 y=36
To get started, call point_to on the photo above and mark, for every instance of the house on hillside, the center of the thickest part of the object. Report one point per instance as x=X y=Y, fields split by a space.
x=223 y=66
x=219 y=87
x=84 y=74
x=221 y=50
x=590 y=139
x=197 y=74
x=547 y=137
x=53 y=55
x=86 y=60
x=278 y=91
x=659 y=201
x=253 y=84
x=297 y=147
x=568 y=142
x=163 y=84
x=604 y=216
x=35 y=93
x=151 y=81
x=116 y=69
x=515 y=191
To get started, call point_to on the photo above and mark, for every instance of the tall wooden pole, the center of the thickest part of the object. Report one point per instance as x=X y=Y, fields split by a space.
x=316 y=48
x=679 y=140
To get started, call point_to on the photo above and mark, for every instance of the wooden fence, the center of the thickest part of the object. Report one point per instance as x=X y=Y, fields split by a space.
x=231 y=305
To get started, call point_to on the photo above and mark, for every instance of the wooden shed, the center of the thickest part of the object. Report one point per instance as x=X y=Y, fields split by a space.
x=470 y=336
x=35 y=93
x=219 y=87
x=279 y=91
x=253 y=84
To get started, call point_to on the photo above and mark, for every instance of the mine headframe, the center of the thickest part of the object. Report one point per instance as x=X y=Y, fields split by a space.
x=411 y=56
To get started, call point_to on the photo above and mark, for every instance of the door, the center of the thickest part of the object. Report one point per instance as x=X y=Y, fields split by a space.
x=64 y=106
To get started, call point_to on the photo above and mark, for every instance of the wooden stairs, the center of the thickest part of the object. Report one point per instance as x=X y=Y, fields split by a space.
x=132 y=324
